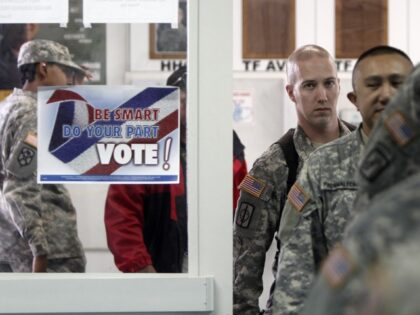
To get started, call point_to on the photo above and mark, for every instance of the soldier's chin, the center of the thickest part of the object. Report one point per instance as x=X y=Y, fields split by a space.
x=377 y=114
x=322 y=121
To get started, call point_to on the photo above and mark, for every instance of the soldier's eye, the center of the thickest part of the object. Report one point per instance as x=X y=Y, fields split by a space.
x=373 y=85
x=309 y=86
x=330 y=84
x=397 y=83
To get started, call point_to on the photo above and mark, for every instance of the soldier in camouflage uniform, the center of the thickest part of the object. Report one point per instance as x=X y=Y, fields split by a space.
x=37 y=222
x=313 y=86
x=320 y=203
x=389 y=216
x=393 y=283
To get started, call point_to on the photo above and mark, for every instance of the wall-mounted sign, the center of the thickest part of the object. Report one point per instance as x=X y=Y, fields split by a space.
x=130 y=11
x=108 y=134
x=242 y=106
x=279 y=65
x=34 y=11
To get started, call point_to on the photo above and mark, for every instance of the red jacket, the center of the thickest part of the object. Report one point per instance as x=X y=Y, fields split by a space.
x=147 y=225
x=239 y=167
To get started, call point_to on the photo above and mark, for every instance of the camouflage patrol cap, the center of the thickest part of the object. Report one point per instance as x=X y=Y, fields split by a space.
x=42 y=50
x=393 y=150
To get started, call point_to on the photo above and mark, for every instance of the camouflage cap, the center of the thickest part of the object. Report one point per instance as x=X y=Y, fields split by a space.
x=42 y=50
x=393 y=150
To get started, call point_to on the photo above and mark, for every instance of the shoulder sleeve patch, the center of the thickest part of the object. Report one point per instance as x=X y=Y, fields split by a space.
x=252 y=186
x=338 y=267
x=297 y=197
x=244 y=216
x=23 y=159
x=375 y=162
x=399 y=129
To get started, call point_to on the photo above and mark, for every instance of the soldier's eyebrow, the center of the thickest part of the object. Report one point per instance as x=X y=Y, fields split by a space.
x=372 y=79
x=309 y=81
x=323 y=80
x=397 y=76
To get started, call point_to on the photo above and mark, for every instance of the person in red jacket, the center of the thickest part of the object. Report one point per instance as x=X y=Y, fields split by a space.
x=239 y=167
x=146 y=225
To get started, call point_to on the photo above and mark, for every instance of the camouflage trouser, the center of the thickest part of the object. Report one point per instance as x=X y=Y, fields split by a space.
x=5 y=267
x=74 y=264
x=22 y=263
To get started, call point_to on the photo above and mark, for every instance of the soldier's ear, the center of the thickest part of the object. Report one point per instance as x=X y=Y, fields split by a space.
x=41 y=70
x=289 y=90
x=352 y=98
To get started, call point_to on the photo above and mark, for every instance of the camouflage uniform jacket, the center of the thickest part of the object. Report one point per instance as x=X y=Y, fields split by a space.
x=325 y=187
x=257 y=218
x=34 y=219
x=391 y=222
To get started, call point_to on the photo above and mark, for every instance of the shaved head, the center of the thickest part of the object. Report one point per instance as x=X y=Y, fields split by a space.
x=304 y=53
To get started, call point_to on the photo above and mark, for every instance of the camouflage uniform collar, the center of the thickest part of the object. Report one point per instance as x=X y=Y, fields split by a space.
x=361 y=134
x=302 y=143
x=20 y=92
x=344 y=130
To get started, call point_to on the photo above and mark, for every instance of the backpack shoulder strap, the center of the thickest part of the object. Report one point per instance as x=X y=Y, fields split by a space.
x=349 y=125
x=292 y=158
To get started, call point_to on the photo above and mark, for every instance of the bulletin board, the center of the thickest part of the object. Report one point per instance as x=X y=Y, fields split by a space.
x=268 y=29
x=360 y=24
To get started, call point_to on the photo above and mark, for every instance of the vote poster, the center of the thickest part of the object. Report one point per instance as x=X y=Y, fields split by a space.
x=109 y=134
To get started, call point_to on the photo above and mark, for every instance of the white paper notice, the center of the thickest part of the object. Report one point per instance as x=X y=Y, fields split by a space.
x=242 y=107
x=34 y=11
x=130 y=11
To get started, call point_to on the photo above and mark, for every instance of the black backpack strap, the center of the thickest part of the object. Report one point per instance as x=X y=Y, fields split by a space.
x=292 y=160
x=319 y=243
x=349 y=125
x=290 y=154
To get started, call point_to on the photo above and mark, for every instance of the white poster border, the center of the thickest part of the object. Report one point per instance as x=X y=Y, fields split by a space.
x=130 y=11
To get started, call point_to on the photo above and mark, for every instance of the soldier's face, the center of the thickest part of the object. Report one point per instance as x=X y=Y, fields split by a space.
x=315 y=91
x=56 y=75
x=376 y=80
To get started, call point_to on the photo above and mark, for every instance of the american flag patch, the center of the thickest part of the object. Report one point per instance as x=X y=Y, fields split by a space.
x=399 y=129
x=297 y=197
x=338 y=267
x=252 y=185
x=31 y=139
